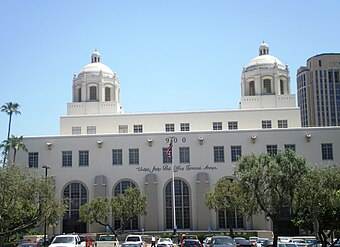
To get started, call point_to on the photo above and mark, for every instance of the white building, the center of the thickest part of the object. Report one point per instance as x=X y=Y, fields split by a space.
x=101 y=150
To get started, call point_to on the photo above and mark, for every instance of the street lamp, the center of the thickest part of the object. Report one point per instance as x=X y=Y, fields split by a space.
x=46 y=168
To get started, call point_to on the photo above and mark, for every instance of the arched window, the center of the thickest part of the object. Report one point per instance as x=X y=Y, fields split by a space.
x=107 y=94
x=251 y=88
x=76 y=195
x=182 y=200
x=119 y=189
x=267 y=86
x=93 y=93
x=230 y=218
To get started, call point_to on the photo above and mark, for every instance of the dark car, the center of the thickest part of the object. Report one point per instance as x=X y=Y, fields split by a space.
x=191 y=243
x=222 y=241
x=27 y=244
x=242 y=242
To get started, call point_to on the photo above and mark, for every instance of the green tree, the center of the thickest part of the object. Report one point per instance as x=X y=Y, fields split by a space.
x=14 y=143
x=97 y=211
x=318 y=201
x=228 y=195
x=270 y=182
x=9 y=108
x=27 y=199
x=124 y=207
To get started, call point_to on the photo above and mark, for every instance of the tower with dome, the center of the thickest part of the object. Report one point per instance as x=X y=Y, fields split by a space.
x=265 y=82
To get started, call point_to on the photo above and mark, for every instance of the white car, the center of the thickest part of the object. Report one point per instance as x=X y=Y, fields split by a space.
x=136 y=239
x=66 y=241
x=164 y=242
x=206 y=242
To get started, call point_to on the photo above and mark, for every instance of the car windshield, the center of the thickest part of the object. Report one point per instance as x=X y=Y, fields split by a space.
x=223 y=241
x=130 y=245
x=164 y=240
x=107 y=238
x=82 y=238
x=65 y=240
x=133 y=239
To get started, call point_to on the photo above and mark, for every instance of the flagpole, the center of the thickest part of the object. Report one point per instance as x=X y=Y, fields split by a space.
x=173 y=194
x=169 y=153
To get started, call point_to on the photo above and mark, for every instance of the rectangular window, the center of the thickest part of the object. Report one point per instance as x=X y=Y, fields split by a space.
x=290 y=147
x=267 y=86
x=217 y=125
x=133 y=156
x=327 y=151
x=184 y=155
x=93 y=93
x=66 y=158
x=232 y=125
x=170 y=127
x=117 y=156
x=123 y=129
x=282 y=91
x=218 y=154
x=185 y=127
x=282 y=123
x=266 y=124
x=138 y=128
x=166 y=159
x=33 y=159
x=91 y=130
x=107 y=94
x=272 y=149
x=252 y=88
x=76 y=130
x=84 y=158
x=236 y=153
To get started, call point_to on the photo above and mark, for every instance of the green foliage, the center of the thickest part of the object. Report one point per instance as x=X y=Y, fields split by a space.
x=228 y=195
x=317 y=200
x=270 y=182
x=124 y=207
x=15 y=143
x=26 y=199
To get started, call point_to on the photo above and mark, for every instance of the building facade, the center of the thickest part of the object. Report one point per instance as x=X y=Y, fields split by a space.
x=318 y=88
x=101 y=150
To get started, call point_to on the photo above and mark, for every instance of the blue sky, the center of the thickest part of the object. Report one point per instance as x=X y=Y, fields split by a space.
x=173 y=55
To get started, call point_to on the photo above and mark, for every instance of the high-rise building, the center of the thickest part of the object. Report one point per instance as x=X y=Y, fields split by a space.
x=318 y=89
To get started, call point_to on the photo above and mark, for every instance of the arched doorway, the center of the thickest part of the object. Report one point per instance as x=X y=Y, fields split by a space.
x=76 y=195
x=182 y=201
x=119 y=189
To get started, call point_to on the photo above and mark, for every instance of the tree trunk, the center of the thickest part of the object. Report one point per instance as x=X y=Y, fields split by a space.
x=275 y=231
x=8 y=134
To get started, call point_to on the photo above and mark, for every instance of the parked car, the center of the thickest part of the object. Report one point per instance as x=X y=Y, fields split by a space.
x=70 y=240
x=260 y=242
x=191 y=243
x=206 y=242
x=109 y=240
x=28 y=244
x=136 y=238
x=165 y=242
x=242 y=242
x=254 y=240
x=187 y=236
x=222 y=241
x=300 y=242
x=130 y=244
x=268 y=243
x=86 y=240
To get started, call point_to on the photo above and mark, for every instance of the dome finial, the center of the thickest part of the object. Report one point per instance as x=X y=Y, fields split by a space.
x=264 y=49
x=95 y=58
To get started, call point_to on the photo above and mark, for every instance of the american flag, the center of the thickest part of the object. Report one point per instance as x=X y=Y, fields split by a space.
x=169 y=150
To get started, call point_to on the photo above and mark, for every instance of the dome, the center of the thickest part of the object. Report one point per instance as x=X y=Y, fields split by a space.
x=96 y=67
x=264 y=60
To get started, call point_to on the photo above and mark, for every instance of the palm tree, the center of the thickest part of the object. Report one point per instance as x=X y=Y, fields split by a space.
x=14 y=143
x=9 y=108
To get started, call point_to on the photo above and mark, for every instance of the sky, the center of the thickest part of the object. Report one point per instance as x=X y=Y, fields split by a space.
x=175 y=55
